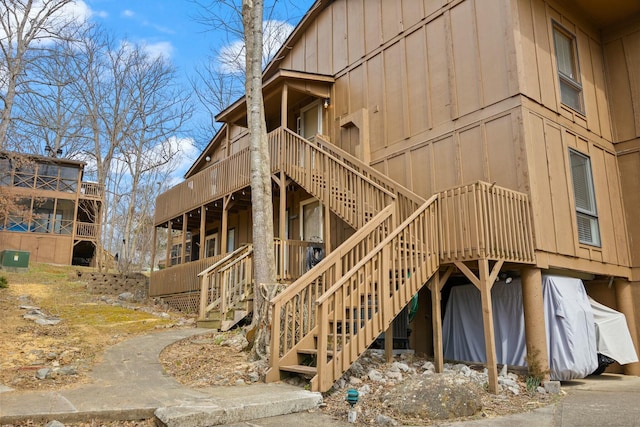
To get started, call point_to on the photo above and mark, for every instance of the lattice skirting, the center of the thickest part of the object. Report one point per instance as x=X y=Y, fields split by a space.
x=186 y=302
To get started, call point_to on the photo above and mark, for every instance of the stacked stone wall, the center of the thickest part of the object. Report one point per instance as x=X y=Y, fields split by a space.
x=116 y=284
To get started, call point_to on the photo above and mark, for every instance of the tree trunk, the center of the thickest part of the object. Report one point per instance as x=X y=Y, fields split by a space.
x=262 y=206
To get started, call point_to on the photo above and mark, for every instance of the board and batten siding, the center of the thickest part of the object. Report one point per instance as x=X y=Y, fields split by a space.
x=622 y=60
x=537 y=64
x=548 y=144
x=414 y=66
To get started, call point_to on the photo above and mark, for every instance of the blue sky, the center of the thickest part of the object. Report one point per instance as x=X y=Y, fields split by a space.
x=168 y=26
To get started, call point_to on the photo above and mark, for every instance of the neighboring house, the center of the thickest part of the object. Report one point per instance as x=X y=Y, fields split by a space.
x=57 y=219
x=422 y=142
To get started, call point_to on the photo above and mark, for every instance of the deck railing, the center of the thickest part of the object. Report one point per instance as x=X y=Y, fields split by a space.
x=171 y=280
x=91 y=190
x=483 y=220
x=87 y=230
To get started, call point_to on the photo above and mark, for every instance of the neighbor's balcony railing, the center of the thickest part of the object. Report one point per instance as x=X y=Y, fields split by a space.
x=91 y=190
x=87 y=230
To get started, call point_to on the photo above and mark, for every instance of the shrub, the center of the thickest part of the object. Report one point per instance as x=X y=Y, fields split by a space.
x=3 y=282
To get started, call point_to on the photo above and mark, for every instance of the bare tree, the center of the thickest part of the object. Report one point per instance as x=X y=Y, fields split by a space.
x=27 y=28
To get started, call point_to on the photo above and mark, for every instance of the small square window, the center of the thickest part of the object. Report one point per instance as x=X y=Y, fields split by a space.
x=568 y=69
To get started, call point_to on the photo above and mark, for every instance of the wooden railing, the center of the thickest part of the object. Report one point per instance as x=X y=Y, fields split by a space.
x=351 y=195
x=87 y=230
x=91 y=190
x=407 y=201
x=171 y=280
x=366 y=299
x=227 y=282
x=482 y=220
x=294 y=310
x=291 y=258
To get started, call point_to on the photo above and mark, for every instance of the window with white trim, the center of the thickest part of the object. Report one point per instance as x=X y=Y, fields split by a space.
x=568 y=69
x=586 y=212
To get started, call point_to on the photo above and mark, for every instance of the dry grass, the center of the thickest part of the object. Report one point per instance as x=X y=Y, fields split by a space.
x=88 y=326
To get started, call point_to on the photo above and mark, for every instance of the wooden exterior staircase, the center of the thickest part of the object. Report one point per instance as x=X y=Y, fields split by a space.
x=330 y=315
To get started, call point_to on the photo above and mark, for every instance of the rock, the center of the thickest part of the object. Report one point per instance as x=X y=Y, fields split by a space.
x=503 y=371
x=237 y=342
x=357 y=370
x=383 y=420
x=239 y=382
x=376 y=376
x=397 y=376
x=463 y=369
x=355 y=381
x=54 y=423
x=365 y=389
x=507 y=382
x=515 y=390
x=51 y=356
x=68 y=370
x=552 y=387
x=253 y=377
x=126 y=296
x=47 y=322
x=437 y=397
x=43 y=373
x=541 y=390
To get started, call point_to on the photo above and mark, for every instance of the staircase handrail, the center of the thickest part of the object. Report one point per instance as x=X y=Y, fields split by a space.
x=305 y=291
x=373 y=294
x=413 y=200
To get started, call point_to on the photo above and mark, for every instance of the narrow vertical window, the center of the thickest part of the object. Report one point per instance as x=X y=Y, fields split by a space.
x=586 y=212
x=568 y=69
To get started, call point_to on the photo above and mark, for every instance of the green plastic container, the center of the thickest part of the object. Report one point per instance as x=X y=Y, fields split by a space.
x=10 y=259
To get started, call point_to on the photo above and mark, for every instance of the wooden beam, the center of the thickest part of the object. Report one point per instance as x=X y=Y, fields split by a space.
x=436 y=318
x=167 y=261
x=203 y=231
x=487 y=321
x=388 y=343
x=225 y=223
x=283 y=106
x=468 y=273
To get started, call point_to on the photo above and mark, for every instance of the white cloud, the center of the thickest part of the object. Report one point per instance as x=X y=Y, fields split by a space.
x=185 y=153
x=128 y=13
x=100 y=14
x=231 y=57
x=159 y=49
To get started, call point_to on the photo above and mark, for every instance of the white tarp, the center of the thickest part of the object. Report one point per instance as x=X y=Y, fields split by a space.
x=612 y=334
x=571 y=331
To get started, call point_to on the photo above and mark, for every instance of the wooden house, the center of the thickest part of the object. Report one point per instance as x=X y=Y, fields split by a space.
x=420 y=140
x=55 y=215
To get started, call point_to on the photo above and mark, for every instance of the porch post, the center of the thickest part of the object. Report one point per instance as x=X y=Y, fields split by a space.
x=203 y=227
x=624 y=300
x=283 y=106
x=436 y=284
x=283 y=219
x=184 y=238
x=388 y=343
x=153 y=248
x=535 y=328
x=167 y=261
x=225 y=220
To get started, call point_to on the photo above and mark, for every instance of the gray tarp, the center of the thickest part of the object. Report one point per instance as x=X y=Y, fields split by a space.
x=612 y=334
x=571 y=331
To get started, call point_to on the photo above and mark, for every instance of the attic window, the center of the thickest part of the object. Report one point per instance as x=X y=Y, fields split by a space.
x=568 y=69
x=586 y=212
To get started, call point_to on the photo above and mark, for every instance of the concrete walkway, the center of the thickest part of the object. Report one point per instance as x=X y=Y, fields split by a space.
x=129 y=384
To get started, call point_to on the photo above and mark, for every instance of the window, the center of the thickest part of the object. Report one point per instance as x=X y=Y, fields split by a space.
x=586 y=213
x=568 y=69
x=211 y=245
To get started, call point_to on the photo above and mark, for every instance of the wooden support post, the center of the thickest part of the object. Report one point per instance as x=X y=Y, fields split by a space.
x=225 y=223
x=436 y=284
x=167 y=261
x=534 y=323
x=624 y=300
x=203 y=231
x=184 y=239
x=283 y=106
x=153 y=248
x=486 y=283
x=282 y=183
x=388 y=343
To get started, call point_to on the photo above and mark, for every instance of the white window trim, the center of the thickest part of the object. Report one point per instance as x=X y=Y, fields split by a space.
x=592 y=214
x=562 y=77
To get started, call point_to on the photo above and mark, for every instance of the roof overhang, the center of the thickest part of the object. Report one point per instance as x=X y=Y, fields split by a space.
x=318 y=85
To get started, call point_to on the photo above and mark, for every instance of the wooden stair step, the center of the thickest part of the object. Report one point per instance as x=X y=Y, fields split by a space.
x=313 y=351
x=300 y=369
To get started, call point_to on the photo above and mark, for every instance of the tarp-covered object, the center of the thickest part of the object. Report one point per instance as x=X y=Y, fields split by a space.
x=612 y=334
x=571 y=334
